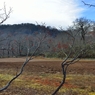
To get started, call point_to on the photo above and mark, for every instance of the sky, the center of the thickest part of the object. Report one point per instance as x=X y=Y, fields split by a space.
x=54 y=13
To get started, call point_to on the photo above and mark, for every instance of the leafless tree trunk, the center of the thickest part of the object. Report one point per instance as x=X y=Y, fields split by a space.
x=67 y=62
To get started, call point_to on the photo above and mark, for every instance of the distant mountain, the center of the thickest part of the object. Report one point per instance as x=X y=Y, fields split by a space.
x=28 y=28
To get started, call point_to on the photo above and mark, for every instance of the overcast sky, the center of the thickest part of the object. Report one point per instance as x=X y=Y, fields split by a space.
x=53 y=13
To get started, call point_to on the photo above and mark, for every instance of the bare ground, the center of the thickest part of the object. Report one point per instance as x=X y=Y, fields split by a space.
x=48 y=65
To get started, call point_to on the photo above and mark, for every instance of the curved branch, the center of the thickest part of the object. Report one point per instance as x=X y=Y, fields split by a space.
x=90 y=5
x=64 y=67
x=8 y=84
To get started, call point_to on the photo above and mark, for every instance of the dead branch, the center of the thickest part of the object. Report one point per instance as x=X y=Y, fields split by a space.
x=90 y=5
x=4 y=15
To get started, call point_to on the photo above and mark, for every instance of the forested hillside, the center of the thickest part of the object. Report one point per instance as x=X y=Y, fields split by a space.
x=16 y=40
x=27 y=28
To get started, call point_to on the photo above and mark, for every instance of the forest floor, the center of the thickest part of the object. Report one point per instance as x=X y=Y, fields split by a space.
x=42 y=76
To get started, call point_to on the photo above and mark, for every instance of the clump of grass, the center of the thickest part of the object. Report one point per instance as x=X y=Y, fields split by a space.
x=92 y=93
x=5 y=77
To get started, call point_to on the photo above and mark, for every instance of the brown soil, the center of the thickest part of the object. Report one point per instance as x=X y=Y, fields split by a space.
x=48 y=65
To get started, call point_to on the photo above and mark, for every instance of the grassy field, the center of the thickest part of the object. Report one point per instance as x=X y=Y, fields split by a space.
x=42 y=77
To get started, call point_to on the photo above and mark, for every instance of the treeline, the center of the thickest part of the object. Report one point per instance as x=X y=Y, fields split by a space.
x=28 y=28
x=16 y=40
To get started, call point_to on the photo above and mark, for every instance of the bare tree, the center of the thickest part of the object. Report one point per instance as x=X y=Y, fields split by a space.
x=75 y=48
x=66 y=62
x=4 y=14
x=83 y=26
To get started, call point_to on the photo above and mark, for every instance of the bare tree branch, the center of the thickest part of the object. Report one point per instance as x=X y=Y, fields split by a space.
x=90 y=5
x=4 y=15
